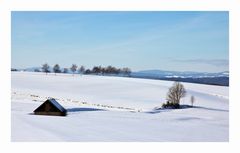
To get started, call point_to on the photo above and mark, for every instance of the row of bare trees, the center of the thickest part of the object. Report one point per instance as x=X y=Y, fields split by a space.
x=108 y=70
x=82 y=70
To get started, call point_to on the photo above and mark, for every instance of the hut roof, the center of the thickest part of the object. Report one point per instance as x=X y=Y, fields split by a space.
x=53 y=102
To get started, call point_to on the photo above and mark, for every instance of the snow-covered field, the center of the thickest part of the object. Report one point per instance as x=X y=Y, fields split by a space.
x=104 y=108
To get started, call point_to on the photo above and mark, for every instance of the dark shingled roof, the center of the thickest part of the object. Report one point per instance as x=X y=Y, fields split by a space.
x=55 y=103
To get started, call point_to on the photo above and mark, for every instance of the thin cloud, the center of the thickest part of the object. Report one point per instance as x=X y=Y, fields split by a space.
x=214 y=62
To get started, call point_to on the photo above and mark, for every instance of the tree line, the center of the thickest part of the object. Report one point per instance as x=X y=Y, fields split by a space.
x=99 y=70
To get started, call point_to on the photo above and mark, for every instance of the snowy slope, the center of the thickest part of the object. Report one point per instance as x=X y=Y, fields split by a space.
x=115 y=109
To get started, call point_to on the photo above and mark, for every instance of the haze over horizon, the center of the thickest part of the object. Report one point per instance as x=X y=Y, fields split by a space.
x=161 y=40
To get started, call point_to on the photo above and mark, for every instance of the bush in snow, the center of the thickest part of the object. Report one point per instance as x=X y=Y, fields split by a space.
x=170 y=105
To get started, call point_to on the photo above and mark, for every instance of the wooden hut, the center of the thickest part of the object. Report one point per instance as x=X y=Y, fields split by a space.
x=50 y=107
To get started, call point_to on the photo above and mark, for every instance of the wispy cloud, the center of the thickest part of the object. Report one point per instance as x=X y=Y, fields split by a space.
x=214 y=62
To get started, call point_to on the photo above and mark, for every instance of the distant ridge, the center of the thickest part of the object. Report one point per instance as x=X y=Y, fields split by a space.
x=218 y=78
x=177 y=74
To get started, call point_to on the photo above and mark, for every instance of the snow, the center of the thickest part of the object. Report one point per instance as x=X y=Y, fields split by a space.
x=104 y=108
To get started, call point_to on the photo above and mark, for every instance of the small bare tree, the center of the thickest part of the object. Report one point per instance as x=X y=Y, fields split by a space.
x=175 y=93
x=56 y=69
x=81 y=69
x=73 y=68
x=126 y=71
x=192 y=99
x=45 y=68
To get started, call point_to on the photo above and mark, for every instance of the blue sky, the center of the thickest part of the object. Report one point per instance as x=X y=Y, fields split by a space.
x=179 y=41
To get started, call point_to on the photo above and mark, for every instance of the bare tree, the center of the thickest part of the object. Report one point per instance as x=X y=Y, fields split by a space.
x=192 y=100
x=88 y=71
x=45 y=68
x=97 y=69
x=175 y=93
x=73 y=68
x=109 y=69
x=126 y=71
x=56 y=69
x=81 y=69
x=103 y=70
x=13 y=69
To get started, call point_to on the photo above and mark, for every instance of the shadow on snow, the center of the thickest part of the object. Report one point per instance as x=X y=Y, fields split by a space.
x=83 y=109
x=159 y=110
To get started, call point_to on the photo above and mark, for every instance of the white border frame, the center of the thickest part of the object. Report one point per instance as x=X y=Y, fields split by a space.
x=233 y=6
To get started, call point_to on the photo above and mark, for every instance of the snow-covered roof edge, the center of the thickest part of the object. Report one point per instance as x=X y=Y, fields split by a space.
x=55 y=103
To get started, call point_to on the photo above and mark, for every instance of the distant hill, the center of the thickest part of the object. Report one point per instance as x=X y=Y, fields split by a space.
x=219 y=78
x=176 y=74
